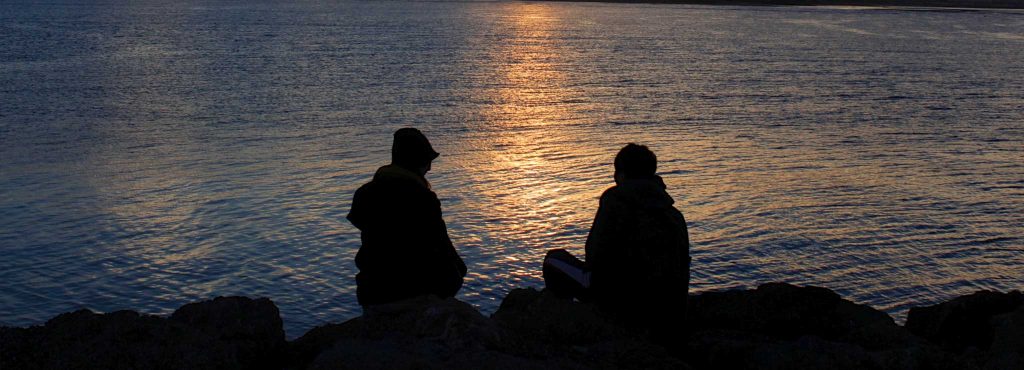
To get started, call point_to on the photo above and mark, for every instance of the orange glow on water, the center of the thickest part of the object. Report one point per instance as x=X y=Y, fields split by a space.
x=530 y=76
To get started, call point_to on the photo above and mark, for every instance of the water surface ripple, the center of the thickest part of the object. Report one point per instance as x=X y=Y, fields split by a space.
x=156 y=154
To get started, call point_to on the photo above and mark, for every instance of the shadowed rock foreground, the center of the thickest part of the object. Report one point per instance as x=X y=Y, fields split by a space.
x=776 y=326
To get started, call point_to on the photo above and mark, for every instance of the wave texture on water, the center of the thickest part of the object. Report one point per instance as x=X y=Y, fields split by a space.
x=158 y=154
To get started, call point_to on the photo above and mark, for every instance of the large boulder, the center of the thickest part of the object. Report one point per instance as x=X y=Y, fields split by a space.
x=1007 y=350
x=785 y=311
x=544 y=316
x=731 y=349
x=423 y=332
x=129 y=340
x=781 y=326
x=965 y=322
x=570 y=334
x=810 y=352
x=251 y=331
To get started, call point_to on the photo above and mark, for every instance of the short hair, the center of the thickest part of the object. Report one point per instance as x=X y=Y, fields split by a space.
x=636 y=162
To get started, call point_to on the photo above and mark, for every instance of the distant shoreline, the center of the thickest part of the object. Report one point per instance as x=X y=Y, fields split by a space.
x=948 y=5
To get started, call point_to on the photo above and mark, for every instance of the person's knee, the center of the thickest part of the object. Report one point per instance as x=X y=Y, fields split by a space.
x=566 y=258
x=565 y=275
x=559 y=254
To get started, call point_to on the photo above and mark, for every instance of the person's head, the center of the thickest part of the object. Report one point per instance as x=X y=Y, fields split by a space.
x=411 y=150
x=635 y=162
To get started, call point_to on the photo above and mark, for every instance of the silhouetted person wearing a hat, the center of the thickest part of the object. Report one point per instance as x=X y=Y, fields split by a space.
x=637 y=254
x=406 y=251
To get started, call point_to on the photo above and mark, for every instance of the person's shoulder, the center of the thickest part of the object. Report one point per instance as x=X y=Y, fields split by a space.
x=364 y=189
x=393 y=176
x=613 y=195
x=610 y=192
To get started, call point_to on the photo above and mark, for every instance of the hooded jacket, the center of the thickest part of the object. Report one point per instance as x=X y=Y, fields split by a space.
x=406 y=251
x=638 y=250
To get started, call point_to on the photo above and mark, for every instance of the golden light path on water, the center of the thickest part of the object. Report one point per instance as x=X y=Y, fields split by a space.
x=518 y=185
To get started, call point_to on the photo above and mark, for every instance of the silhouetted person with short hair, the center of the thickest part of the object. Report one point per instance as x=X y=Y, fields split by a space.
x=637 y=253
x=406 y=250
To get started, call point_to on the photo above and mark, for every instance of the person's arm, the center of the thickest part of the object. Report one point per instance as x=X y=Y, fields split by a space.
x=685 y=251
x=453 y=255
x=599 y=240
x=355 y=213
x=444 y=242
x=444 y=275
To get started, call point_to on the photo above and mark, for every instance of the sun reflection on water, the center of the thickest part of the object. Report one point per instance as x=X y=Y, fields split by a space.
x=515 y=177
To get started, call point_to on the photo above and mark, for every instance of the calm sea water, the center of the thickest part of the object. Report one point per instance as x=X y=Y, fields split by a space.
x=157 y=154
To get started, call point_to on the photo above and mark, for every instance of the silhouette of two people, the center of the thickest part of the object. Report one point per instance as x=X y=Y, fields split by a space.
x=637 y=253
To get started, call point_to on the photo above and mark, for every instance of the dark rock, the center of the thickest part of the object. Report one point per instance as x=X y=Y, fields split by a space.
x=723 y=349
x=561 y=331
x=628 y=353
x=250 y=330
x=784 y=311
x=776 y=326
x=544 y=316
x=495 y=360
x=1007 y=350
x=118 y=340
x=964 y=322
x=418 y=333
x=393 y=353
x=781 y=326
x=128 y=340
x=811 y=353
x=729 y=349
x=532 y=330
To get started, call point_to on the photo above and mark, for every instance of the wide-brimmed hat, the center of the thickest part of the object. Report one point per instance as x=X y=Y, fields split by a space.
x=411 y=146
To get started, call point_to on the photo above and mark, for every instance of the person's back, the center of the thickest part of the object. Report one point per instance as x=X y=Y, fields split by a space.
x=406 y=250
x=637 y=253
x=637 y=250
x=638 y=247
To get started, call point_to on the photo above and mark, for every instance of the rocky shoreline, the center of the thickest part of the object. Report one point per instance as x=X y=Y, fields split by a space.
x=776 y=326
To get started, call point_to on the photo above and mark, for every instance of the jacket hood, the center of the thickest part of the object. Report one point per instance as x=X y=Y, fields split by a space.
x=396 y=173
x=411 y=147
x=364 y=212
x=649 y=193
